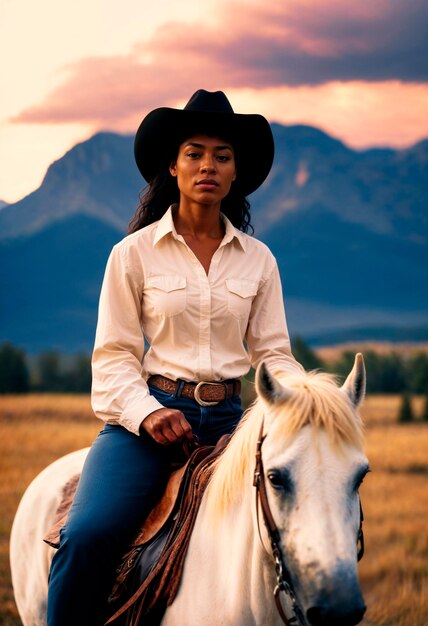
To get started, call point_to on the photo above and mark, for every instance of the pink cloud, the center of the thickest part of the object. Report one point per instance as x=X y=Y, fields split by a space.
x=304 y=42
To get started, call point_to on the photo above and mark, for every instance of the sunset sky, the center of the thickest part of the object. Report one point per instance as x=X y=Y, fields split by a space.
x=358 y=70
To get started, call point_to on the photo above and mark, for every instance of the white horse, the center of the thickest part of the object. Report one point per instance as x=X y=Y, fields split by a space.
x=312 y=465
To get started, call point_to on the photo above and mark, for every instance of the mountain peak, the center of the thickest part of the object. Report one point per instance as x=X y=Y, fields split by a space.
x=312 y=172
x=303 y=136
x=348 y=228
x=97 y=177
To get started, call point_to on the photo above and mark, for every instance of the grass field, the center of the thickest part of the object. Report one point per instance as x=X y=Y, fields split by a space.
x=34 y=430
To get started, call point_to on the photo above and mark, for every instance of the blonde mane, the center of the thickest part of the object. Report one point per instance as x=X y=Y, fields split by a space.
x=316 y=400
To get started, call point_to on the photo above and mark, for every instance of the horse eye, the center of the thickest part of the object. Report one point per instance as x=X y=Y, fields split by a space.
x=279 y=480
x=360 y=477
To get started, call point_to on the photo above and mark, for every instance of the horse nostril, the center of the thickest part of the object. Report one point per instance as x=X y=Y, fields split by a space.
x=326 y=616
x=315 y=616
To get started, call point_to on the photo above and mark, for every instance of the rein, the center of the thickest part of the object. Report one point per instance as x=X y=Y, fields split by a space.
x=283 y=579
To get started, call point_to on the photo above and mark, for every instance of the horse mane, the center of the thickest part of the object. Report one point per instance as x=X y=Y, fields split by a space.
x=316 y=400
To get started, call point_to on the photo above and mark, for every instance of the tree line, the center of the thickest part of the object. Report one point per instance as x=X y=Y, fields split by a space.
x=386 y=373
x=51 y=371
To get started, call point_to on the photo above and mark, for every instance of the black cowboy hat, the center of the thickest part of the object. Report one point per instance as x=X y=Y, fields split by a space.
x=164 y=129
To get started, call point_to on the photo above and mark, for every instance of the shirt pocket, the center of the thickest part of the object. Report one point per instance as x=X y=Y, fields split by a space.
x=167 y=293
x=240 y=295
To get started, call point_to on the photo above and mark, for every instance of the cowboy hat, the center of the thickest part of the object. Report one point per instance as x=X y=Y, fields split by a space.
x=163 y=130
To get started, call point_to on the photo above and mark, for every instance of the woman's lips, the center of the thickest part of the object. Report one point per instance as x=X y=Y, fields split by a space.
x=208 y=184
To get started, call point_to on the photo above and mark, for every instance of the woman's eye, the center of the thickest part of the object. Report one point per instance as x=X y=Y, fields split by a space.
x=223 y=158
x=193 y=155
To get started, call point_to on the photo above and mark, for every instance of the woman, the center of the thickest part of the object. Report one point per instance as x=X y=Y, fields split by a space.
x=192 y=282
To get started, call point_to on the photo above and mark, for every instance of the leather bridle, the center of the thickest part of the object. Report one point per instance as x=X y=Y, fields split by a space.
x=283 y=579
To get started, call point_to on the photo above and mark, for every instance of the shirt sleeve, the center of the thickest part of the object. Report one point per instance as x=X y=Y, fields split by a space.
x=267 y=335
x=119 y=393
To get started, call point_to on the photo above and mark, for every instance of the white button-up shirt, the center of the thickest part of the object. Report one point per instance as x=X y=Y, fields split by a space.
x=195 y=324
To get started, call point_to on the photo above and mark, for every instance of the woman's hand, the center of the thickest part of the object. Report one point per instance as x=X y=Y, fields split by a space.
x=167 y=426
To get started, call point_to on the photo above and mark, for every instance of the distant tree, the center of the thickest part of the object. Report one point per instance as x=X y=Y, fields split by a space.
x=49 y=372
x=418 y=373
x=425 y=409
x=406 y=414
x=385 y=373
x=14 y=375
x=305 y=355
x=79 y=377
x=392 y=373
x=344 y=365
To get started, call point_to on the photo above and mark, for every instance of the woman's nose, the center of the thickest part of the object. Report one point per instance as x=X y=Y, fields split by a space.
x=208 y=164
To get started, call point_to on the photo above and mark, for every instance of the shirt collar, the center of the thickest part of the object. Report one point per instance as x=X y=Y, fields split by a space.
x=166 y=226
x=232 y=232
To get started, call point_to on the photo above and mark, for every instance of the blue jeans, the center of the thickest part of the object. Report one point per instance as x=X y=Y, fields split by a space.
x=122 y=478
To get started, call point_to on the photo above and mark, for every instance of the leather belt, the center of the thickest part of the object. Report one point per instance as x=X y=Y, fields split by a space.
x=205 y=393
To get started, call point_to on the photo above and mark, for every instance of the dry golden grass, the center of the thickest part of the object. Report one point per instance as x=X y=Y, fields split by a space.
x=383 y=409
x=34 y=430
x=394 y=572
x=33 y=407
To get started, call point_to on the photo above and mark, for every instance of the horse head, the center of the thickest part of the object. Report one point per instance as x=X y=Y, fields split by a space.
x=313 y=465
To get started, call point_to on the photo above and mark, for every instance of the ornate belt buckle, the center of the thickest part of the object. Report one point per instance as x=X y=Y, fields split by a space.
x=198 y=397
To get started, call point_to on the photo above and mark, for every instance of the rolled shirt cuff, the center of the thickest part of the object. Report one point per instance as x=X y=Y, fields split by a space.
x=134 y=415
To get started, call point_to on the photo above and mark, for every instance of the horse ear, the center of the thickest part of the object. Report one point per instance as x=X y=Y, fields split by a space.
x=355 y=385
x=268 y=387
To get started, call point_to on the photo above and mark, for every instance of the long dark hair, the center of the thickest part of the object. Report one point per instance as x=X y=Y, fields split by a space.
x=162 y=191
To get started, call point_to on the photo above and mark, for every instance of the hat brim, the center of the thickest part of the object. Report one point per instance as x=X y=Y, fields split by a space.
x=163 y=130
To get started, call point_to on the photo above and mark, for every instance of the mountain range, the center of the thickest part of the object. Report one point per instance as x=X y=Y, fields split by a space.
x=349 y=230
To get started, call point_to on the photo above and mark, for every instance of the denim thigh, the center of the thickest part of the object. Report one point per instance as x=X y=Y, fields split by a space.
x=122 y=477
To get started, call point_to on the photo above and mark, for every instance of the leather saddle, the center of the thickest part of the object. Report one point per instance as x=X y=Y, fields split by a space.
x=149 y=574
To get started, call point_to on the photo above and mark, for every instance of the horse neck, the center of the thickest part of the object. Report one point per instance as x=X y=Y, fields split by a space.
x=241 y=572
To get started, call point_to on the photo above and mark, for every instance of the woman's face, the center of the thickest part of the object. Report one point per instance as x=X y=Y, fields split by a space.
x=205 y=169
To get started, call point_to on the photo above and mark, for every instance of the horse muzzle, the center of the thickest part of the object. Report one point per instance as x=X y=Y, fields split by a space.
x=337 y=602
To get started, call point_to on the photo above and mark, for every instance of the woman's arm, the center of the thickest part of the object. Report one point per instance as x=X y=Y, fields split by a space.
x=119 y=393
x=267 y=334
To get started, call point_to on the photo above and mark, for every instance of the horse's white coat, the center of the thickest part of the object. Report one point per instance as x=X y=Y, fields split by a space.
x=229 y=575
x=30 y=557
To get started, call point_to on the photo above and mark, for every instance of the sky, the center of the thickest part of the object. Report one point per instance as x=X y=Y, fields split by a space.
x=70 y=68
